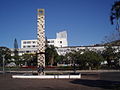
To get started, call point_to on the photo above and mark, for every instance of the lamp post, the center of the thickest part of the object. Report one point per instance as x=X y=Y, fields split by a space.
x=119 y=62
x=3 y=63
x=74 y=67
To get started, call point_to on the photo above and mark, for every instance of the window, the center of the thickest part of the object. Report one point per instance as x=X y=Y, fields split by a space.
x=24 y=42
x=33 y=41
x=52 y=41
x=48 y=41
x=60 y=41
x=33 y=46
x=21 y=51
x=28 y=46
x=27 y=51
x=28 y=42
x=24 y=46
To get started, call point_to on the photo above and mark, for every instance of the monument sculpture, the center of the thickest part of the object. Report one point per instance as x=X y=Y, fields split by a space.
x=41 y=53
x=41 y=37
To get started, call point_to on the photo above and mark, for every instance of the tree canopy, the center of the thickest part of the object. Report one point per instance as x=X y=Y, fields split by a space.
x=51 y=55
x=6 y=52
x=115 y=14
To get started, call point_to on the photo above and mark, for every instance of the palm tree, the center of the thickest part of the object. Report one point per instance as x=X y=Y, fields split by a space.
x=115 y=14
x=50 y=55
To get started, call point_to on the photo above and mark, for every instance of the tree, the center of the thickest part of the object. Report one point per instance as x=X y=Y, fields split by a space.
x=111 y=38
x=85 y=58
x=29 y=59
x=16 y=57
x=72 y=57
x=7 y=52
x=90 y=59
x=51 y=55
x=115 y=14
x=15 y=47
x=114 y=19
x=117 y=59
x=109 y=55
x=60 y=59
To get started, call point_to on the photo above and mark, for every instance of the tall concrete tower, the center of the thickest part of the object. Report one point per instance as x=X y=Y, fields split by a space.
x=41 y=37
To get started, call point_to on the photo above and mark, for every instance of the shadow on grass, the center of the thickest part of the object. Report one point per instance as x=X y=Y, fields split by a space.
x=114 y=85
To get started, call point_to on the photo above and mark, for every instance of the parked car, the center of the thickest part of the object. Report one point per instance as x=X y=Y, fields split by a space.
x=12 y=64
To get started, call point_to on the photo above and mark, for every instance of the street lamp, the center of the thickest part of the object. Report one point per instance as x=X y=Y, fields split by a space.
x=3 y=63
x=74 y=67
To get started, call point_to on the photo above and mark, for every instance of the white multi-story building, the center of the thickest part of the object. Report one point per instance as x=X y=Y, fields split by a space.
x=63 y=50
x=29 y=44
x=60 y=41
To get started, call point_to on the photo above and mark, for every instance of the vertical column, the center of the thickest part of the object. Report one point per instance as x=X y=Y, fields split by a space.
x=41 y=37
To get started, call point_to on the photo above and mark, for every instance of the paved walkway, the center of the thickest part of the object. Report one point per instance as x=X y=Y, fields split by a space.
x=89 y=81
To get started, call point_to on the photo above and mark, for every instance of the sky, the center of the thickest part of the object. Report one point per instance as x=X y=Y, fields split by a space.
x=86 y=21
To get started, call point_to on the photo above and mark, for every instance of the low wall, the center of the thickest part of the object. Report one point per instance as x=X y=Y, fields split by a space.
x=47 y=76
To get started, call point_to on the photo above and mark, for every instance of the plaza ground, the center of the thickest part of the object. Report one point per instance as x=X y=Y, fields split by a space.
x=89 y=81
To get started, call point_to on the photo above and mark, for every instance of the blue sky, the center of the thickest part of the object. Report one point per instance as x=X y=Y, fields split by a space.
x=86 y=21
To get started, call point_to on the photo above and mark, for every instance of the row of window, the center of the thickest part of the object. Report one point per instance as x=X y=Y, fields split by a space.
x=33 y=42
x=52 y=41
x=27 y=51
x=29 y=42
x=33 y=46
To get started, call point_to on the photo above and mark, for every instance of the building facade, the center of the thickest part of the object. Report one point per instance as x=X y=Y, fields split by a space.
x=29 y=43
x=60 y=41
x=63 y=50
